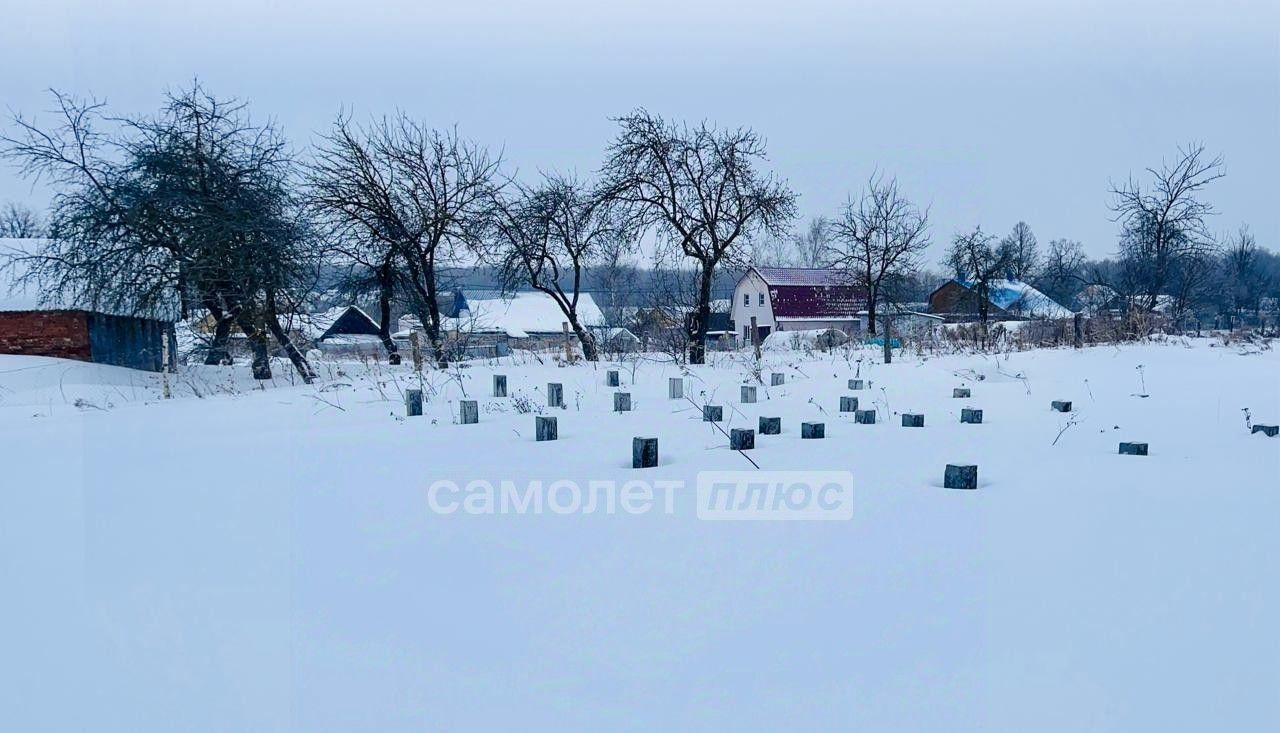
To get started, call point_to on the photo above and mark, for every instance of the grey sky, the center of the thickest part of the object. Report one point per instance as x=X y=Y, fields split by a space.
x=993 y=113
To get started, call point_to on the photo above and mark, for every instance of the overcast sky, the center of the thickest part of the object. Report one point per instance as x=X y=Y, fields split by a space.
x=1002 y=111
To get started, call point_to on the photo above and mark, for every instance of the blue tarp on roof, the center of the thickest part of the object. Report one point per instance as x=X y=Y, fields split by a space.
x=1018 y=297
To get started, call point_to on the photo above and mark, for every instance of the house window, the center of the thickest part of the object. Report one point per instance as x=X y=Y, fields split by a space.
x=761 y=299
x=746 y=300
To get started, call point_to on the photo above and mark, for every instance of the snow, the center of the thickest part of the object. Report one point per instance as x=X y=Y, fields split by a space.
x=1019 y=297
x=522 y=314
x=266 y=559
x=810 y=338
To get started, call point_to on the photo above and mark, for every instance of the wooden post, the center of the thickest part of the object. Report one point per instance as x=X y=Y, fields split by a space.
x=499 y=385
x=712 y=413
x=622 y=402
x=1077 y=322
x=960 y=393
x=468 y=412
x=1061 y=405
x=748 y=394
x=812 y=430
x=770 y=426
x=960 y=477
x=675 y=388
x=755 y=336
x=888 y=338
x=555 y=394
x=856 y=384
x=413 y=402
x=611 y=378
x=848 y=404
x=742 y=439
x=864 y=417
x=644 y=452
x=971 y=416
x=1133 y=449
x=777 y=379
x=415 y=349
x=546 y=428
x=568 y=343
x=910 y=420
x=164 y=365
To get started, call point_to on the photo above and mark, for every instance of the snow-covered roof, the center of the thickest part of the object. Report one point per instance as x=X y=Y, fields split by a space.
x=1016 y=296
x=523 y=314
x=316 y=325
x=801 y=276
x=613 y=333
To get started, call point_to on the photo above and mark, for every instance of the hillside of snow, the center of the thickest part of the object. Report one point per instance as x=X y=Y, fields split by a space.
x=264 y=557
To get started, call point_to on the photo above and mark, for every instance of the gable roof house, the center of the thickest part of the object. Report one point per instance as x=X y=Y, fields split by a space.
x=344 y=330
x=1009 y=299
x=796 y=299
x=33 y=323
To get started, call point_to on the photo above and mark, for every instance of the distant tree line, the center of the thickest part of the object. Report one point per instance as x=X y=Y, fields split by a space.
x=203 y=212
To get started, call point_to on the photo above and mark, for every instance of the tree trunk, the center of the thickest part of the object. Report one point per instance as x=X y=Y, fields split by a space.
x=871 y=313
x=290 y=349
x=256 y=337
x=222 y=322
x=384 y=313
x=258 y=345
x=590 y=351
x=218 y=352
x=888 y=340
x=702 y=319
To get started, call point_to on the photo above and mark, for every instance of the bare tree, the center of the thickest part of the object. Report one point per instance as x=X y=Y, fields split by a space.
x=812 y=244
x=1064 y=271
x=546 y=238
x=700 y=191
x=1023 y=251
x=1247 y=278
x=1164 y=222
x=20 y=222
x=878 y=239
x=807 y=248
x=978 y=264
x=410 y=199
x=192 y=209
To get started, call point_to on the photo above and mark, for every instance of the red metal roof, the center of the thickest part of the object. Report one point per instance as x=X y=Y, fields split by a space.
x=811 y=293
x=801 y=276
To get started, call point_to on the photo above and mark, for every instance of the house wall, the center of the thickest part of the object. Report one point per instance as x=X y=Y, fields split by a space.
x=754 y=287
x=63 y=334
x=953 y=299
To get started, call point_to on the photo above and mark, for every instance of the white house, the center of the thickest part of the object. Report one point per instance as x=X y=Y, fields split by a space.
x=796 y=299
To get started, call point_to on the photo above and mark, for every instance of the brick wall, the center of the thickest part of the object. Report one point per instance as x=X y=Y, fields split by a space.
x=62 y=334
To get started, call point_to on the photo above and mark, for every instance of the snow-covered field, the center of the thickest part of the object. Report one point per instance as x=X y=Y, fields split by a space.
x=253 y=559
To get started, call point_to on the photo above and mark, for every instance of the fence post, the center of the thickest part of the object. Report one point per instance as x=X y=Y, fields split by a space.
x=888 y=338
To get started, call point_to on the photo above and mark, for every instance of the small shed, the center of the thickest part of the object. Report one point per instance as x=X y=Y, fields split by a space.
x=350 y=320
x=34 y=324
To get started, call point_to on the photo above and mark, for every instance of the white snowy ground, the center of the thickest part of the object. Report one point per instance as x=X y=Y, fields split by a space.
x=258 y=560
